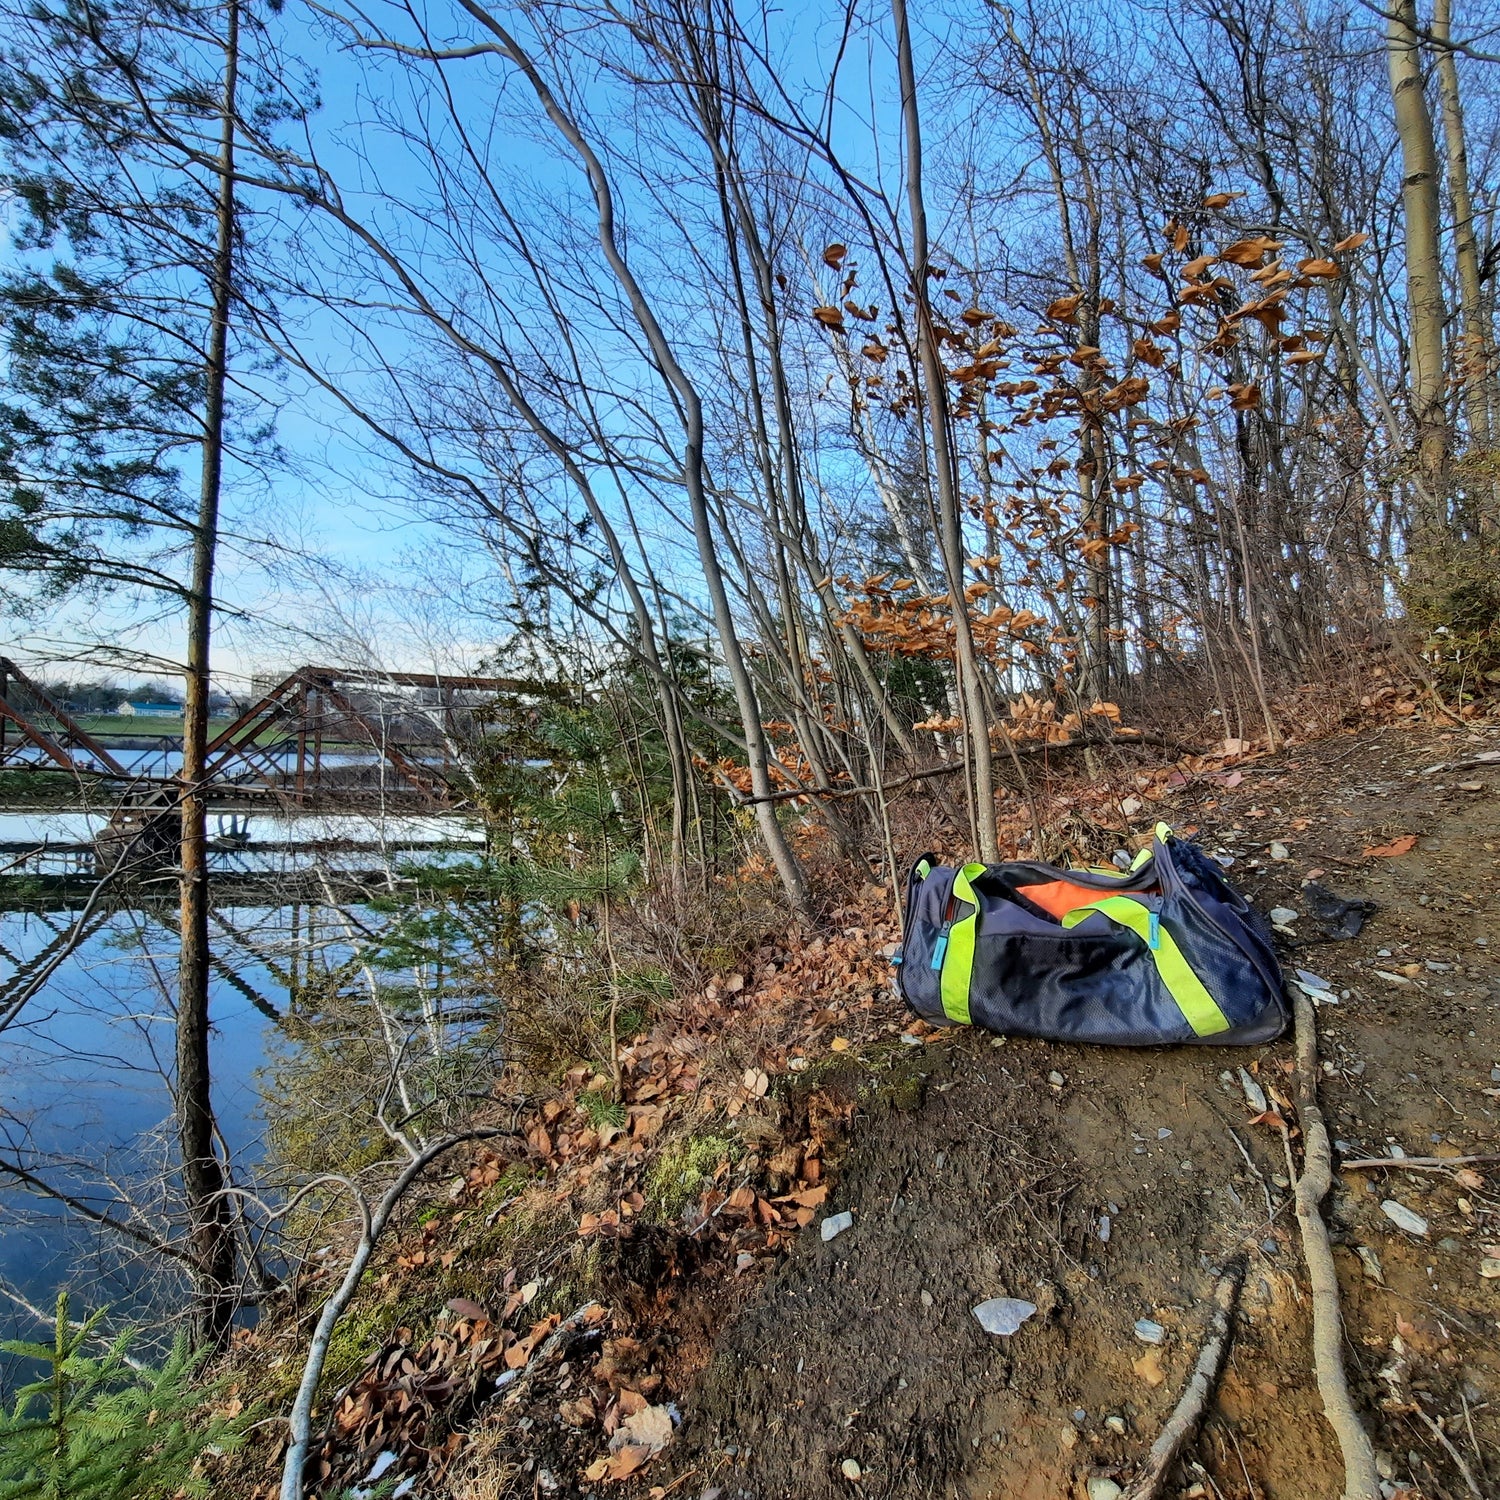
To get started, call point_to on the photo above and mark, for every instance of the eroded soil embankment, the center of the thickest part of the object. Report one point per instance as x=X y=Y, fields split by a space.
x=995 y=1180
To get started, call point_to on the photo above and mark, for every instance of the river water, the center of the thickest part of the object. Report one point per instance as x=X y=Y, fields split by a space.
x=85 y=1069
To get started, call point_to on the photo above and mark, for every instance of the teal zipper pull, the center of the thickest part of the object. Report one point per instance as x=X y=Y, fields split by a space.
x=1154 y=941
x=940 y=948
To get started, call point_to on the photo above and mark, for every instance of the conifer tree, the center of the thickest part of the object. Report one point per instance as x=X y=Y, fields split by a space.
x=105 y=1427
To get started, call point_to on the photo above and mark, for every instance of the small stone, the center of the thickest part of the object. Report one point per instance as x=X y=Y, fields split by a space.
x=1002 y=1316
x=1055 y=1079
x=1283 y=916
x=851 y=1470
x=835 y=1224
x=1163 y=1133
x=1116 y=1425
x=1280 y=851
x=1148 y=1368
x=926 y=1299
x=743 y=1261
x=1068 y=1437
x=997 y=1041
x=1080 y=1415
x=1104 y=1228
x=1102 y=1488
x=1371 y=1263
x=1149 y=1331
x=1403 y=1218
x=1255 y=1095
x=1449 y=1246
x=1489 y=1267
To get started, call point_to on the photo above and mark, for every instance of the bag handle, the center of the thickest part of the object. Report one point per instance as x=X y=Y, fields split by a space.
x=1199 y=1008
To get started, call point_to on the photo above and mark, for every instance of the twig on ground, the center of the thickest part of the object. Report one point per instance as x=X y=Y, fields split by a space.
x=1239 y=1454
x=1256 y=1173
x=1416 y=1163
x=1453 y=1453
x=1191 y=1408
x=1473 y=1441
x=709 y=1218
x=557 y=1343
x=1361 y=1480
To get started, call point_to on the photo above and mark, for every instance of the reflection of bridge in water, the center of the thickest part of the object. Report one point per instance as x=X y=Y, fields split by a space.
x=321 y=737
x=295 y=945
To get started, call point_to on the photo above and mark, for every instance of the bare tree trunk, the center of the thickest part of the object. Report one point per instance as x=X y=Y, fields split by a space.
x=209 y=1210
x=971 y=686
x=1424 y=265
x=756 y=752
x=1476 y=366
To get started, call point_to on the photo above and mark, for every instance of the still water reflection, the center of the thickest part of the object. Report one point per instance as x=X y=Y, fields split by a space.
x=85 y=1099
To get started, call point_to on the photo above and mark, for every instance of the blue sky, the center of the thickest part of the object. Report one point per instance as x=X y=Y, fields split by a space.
x=354 y=564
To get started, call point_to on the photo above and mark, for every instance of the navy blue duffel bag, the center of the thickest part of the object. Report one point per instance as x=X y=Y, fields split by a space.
x=1165 y=952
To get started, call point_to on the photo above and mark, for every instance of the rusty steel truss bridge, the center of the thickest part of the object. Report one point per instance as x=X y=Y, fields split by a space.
x=322 y=737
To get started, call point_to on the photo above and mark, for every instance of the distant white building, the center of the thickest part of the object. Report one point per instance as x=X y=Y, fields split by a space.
x=141 y=708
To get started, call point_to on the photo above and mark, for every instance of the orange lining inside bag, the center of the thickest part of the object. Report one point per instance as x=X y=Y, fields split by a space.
x=1059 y=897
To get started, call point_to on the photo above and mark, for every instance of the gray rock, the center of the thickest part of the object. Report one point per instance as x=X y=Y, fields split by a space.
x=1283 y=915
x=835 y=1224
x=1002 y=1316
x=1116 y=1425
x=1403 y=1218
x=1150 y=1332
x=1280 y=851
x=1255 y=1095
x=1100 y=1488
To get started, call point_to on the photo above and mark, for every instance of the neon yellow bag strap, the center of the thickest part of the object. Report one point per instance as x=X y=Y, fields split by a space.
x=958 y=957
x=1199 y=1008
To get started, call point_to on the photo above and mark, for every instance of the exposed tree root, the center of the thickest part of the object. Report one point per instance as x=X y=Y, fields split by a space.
x=1191 y=1408
x=1361 y=1481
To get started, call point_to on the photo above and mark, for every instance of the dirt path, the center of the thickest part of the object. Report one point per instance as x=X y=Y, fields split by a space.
x=1114 y=1194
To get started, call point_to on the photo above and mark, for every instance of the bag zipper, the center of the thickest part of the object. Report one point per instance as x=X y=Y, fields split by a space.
x=940 y=948
x=1175 y=879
